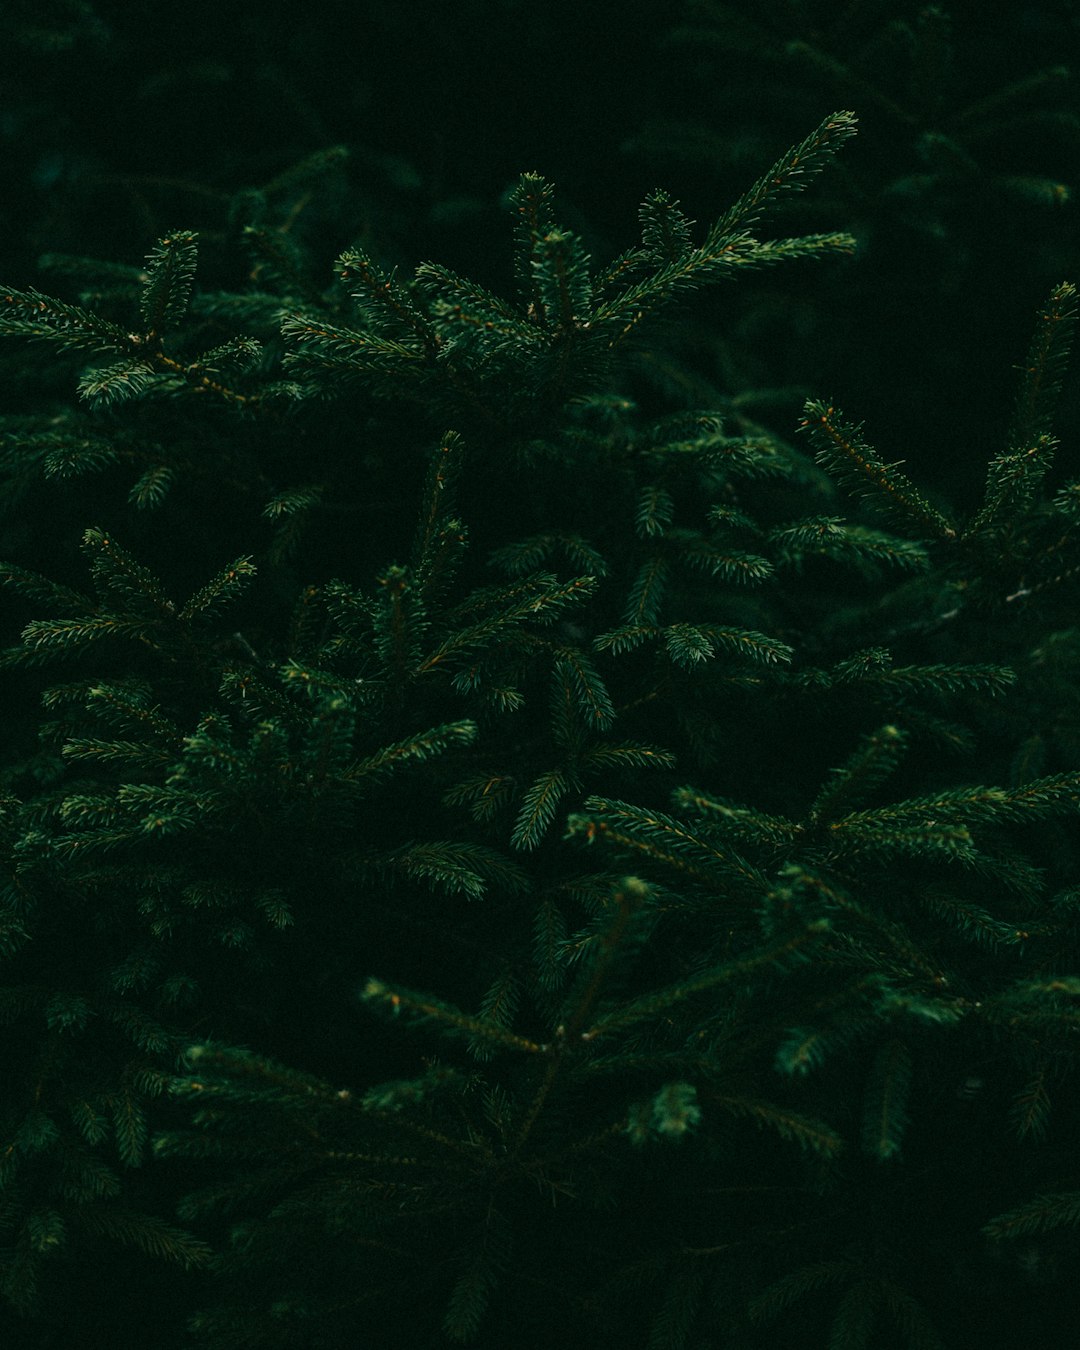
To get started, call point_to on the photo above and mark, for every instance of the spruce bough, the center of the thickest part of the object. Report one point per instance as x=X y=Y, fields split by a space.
x=551 y=879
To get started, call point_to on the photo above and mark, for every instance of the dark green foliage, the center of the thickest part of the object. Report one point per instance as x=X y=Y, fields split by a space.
x=505 y=844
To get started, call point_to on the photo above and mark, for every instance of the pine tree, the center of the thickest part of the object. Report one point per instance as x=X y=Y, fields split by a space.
x=500 y=862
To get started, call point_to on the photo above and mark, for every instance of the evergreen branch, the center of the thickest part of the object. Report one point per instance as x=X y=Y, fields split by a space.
x=674 y=1321
x=45 y=1230
x=531 y=201
x=306 y=172
x=911 y=1317
x=782 y=1293
x=458 y=866
x=293 y=501
x=135 y=973
x=642 y=608
x=779 y=955
x=876 y=758
x=621 y=926
x=855 y=545
x=936 y=1011
x=770 y=251
x=276 y=908
x=1029 y=1113
x=727 y=564
x=130 y=1124
x=151 y=487
x=439 y=539
x=123 y=752
x=238 y=353
x=380 y=298
x=67 y=1012
x=45 y=637
x=620 y=269
x=813 y=1136
x=118 y=573
x=520 y=595
x=626 y=638
x=881 y=839
x=854 y=1319
x=200 y=379
x=465 y=300
x=232 y=1195
x=873 y=667
x=566 y=720
x=81 y=809
x=732 y=518
x=33 y=315
x=107 y=386
x=541 y=598
x=228 y=868
x=68 y=455
x=480 y=336
x=42 y=590
x=741 y=822
x=393 y=1097
x=747 y=457
x=1044 y=369
x=1042 y=798
x=317 y=343
x=227 y=1073
x=400 y=622
x=1067 y=502
x=594 y=702
x=221 y=591
x=807 y=1048
x=170 y=270
x=728 y=244
x=840 y=74
x=149 y=1234
x=666 y=841
x=95 y=1180
x=631 y=1061
x=561 y=278
x=419 y=747
x=655 y=510
x=665 y=231
x=540 y=804
x=549 y=937
x=499 y=1007
x=885 y=1101
x=169 y=808
x=623 y=313
x=791 y=173
x=634 y=753
x=485 y=794
x=1006 y=96
x=427 y=1009
x=1042 y=1214
x=688 y=644
x=1034 y=994
x=278 y=261
x=1012 y=480
x=14 y=932
x=483 y=1261
x=93 y=1126
x=525 y=555
x=842 y=451
x=972 y=921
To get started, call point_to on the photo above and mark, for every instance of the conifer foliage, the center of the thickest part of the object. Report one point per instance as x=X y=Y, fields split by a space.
x=499 y=865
